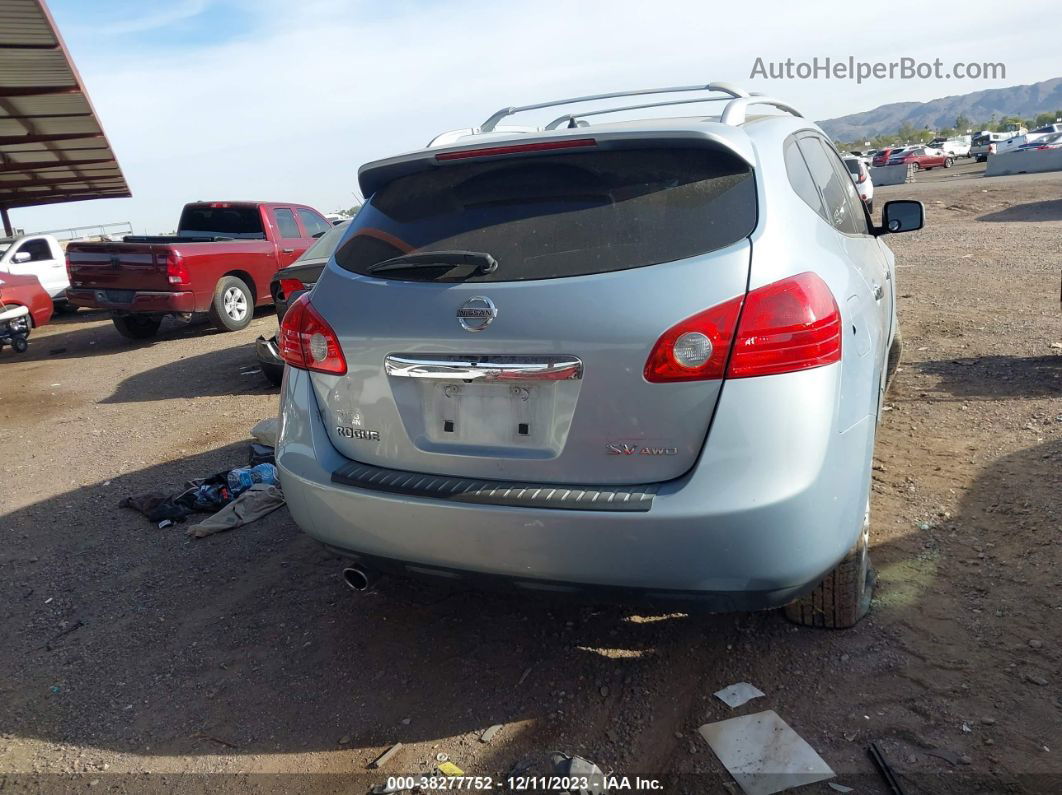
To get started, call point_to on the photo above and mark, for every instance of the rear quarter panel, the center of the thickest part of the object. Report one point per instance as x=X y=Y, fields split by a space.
x=26 y=291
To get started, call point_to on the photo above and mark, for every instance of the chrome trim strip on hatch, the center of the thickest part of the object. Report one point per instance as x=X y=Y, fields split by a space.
x=486 y=369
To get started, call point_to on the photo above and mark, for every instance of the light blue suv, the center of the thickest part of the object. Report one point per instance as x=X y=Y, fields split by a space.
x=642 y=356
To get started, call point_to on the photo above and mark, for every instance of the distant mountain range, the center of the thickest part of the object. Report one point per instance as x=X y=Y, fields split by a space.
x=1024 y=101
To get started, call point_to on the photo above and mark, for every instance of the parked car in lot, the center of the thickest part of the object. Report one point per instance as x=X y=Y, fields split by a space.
x=987 y=143
x=287 y=285
x=1021 y=141
x=647 y=357
x=24 y=289
x=861 y=177
x=881 y=157
x=922 y=157
x=1053 y=141
x=220 y=262
x=40 y=256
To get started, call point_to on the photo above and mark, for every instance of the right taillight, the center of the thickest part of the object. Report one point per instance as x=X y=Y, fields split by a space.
x=307 y=341
x=790 y=325
x=288 y=287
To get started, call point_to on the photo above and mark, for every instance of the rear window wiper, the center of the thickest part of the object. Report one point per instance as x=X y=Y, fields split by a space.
x=478 y=261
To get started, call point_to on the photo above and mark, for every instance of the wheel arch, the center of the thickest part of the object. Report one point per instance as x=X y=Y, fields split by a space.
x=246 y=278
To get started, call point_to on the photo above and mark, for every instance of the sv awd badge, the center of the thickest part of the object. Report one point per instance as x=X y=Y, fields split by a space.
x=625 y=448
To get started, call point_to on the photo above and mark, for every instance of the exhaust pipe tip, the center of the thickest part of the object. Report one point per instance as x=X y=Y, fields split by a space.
x=357 y=578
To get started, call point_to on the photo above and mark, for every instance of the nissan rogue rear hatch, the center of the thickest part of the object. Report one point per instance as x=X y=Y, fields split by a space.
x=499 y=309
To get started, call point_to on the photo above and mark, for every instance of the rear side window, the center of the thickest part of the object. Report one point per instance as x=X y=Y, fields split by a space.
x=313 y=223
x=286 y=222
x=39 y=250
x=222 y=220
x=800 y=178
x=556 y=215
x=835 y=185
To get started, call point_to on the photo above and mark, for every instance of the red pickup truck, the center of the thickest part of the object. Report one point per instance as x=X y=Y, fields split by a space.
x=220 y=262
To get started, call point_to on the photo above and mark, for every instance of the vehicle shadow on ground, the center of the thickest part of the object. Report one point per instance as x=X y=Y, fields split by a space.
x=995 y=377
x=128 y=637
x=226 y=371
x=85 y=333
x=1050 y=210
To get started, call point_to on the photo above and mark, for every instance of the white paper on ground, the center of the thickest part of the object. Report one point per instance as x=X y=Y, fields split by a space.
x=763 y=754
x=736 y=695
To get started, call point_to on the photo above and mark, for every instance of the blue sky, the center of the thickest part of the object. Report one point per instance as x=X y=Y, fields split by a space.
x=283 y=99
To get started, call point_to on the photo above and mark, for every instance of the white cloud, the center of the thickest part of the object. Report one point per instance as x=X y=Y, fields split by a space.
x=289 y=106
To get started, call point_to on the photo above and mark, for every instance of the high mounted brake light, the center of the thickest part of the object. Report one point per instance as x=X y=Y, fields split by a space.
x=513 y=149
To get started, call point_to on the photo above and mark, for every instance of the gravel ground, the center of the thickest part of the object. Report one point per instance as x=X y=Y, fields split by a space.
x=134 y=654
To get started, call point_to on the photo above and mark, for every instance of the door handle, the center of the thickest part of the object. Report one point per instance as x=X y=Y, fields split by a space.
x=879 y=292
x=287 y=251
x=544 y=368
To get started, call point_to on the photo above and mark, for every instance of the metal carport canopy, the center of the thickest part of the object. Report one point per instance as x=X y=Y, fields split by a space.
x=52 y=146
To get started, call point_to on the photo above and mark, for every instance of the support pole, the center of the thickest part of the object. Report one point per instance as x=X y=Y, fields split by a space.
x=8 y=231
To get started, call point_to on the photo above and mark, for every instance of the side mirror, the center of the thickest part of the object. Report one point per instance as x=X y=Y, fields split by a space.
x=21 y=256
x=902 y=215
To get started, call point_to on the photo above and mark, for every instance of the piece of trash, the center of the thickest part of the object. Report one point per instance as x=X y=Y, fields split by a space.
x=441 y=757
x=56 y=384
x=385 y=757
x=55 y=688
x=736 y=695
x=450 y=769
x=839 y=787
x=946 y=755
x=966 y=728
x=266 y=431
x=488 y=735
x=106 y=483
x=885 y=769
x=763 y=754
x=165 y=523
x=344 y=740
x=251 y=372
x=48 y=601
x=526 y=673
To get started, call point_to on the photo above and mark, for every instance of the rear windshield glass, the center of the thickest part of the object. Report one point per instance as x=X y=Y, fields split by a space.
x=549 y=216
x=244 y=222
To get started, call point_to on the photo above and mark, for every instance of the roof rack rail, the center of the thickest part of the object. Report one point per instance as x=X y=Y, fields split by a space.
x=726 y=88
x=569 y=118
x=734 y=112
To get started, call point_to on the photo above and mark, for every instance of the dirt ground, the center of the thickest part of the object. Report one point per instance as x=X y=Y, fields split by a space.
x=135 y=654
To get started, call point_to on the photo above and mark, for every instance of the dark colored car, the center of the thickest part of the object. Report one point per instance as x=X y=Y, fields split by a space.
x=219 y=262
x=922 y=157
x=287 y=285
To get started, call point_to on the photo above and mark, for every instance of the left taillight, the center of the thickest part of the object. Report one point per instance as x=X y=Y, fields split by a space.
x=307 y=341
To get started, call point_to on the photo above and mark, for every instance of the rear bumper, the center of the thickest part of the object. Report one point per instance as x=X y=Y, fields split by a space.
x=267 y=353
x=140 y=301
x=733 y=533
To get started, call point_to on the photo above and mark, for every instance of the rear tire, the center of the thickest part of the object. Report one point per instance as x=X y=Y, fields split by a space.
x=137 y=327
x=19 y=344
x=948 y=163
x=233 y=304
x=843 y=596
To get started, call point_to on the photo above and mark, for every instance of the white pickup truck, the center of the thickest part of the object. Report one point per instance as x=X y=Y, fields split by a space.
x=1012 y=144
x=40 y=256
